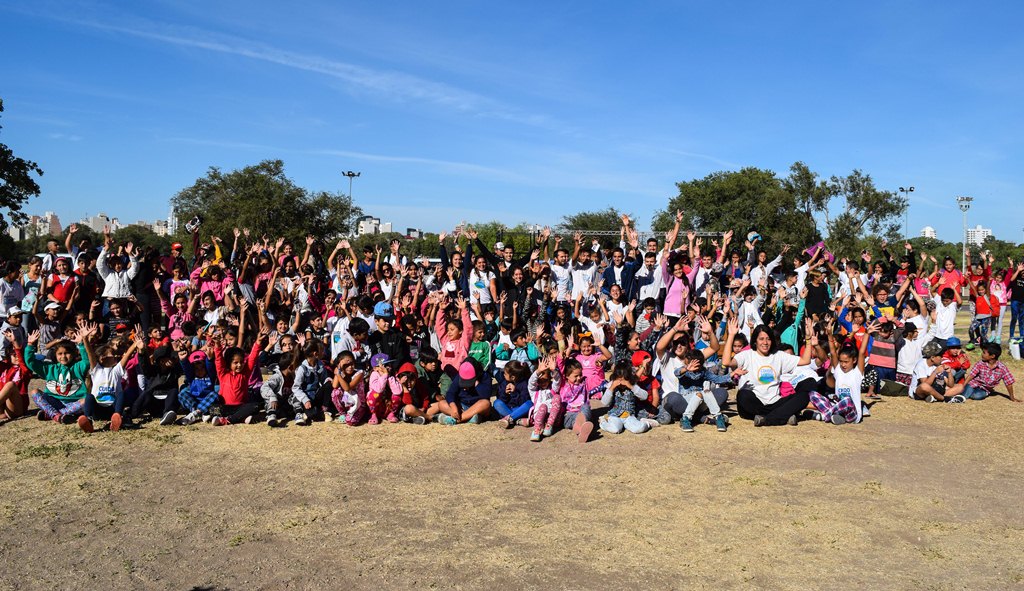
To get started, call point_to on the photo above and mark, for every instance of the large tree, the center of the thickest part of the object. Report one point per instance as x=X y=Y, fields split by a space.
x=263 y=199
x=604 y=220
x=16 y=184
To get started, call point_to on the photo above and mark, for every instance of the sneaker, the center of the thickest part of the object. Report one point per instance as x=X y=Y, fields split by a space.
x=535 y=437
x=392 y=418
x=792 y=420
x=585 y=430
x=41 y=415
x=930 y=398
x=65 y=419
x=958 y=399
x=686 y=424
x=271 y=420
x=549 y=431
x=85 y=424
x=664 y=418
x=190 y=418
x=720 y=423
x=219 y=421
x=249 y=419
x=374 y=419
x=475 y=420
x=759 y=421
x=417 y=420
x=328 y=416
x=523 y=422
x=207 y=418
x=115 y=421
x=168 y=418
x=301 y=420
x=446 y=420
x=838 y=419
x=506 y=423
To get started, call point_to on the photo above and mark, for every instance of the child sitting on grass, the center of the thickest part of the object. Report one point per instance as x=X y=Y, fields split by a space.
x=199 y=392
x=547 y=403
x=64 y=393
x=512 y=401
x=932 y=381
x=384 y=396
x=846 y=377
x=349 y=393
x=622 y=396
x=108 y=377
x=985 y=376
x=233 y=371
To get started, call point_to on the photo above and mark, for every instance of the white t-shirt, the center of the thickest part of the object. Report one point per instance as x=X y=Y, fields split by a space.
x=561 y=276
x=596 y=329
x=848 y=383
x=480 y=283
x=910 y=354
x=921 y=371
x=921 y=322
x=583 y=276
x=944 y=317
x=764 y=373
x=106 y=383
x=670 y=364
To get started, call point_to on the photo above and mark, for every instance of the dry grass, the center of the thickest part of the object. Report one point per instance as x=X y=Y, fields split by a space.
x=917 y=497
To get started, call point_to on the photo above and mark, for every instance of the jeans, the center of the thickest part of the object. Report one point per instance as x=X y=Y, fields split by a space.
x=90 y=404
x=973 y=393
x=615 y=425
x=1017 y=318
x=569 y=418
x=996 y=336
x=676 y=405
x=516 y=413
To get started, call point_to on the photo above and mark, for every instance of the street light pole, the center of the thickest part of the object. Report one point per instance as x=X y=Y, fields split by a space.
x=351 y=175
x=906 y=194
x=965 y=203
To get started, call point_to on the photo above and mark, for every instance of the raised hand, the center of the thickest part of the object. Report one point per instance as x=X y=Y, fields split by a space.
x=73 y=229
x=236 y=232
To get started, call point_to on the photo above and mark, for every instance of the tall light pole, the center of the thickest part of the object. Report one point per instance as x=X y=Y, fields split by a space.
x=351 y=175
x=965 y=204
x=906 y=195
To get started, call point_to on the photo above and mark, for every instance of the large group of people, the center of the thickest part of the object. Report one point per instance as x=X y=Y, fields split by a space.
x=568 y=335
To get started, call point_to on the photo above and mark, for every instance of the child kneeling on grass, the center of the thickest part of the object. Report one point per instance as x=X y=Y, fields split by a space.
x=544 y=387
x=985 y=376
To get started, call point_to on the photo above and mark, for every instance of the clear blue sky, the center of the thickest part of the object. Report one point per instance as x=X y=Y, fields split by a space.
x=515 y=111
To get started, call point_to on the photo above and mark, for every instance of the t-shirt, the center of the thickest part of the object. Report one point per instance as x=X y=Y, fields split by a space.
x=106 y=383
x=944 y=317
x=561 y=276
x=583 y=276
x=670 y=364
x=480 y=283
x=921 y=371
x=848 y=383
x=910 y=354
x=764 y=373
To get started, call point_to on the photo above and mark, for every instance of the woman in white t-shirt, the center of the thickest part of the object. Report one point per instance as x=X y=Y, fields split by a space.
x=483 y=285
x=761 y=369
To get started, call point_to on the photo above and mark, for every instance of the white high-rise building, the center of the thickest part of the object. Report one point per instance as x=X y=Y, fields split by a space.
x=928 y=232
x=977 y=235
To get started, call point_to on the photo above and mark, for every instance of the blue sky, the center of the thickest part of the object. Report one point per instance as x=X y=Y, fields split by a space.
x=515 y=111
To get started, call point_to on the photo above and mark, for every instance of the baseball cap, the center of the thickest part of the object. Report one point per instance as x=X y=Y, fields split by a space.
x=931 y=349
x=640 y=357
x=177 y=246
x=379 y=359
x=383 y=310
x=407 y=368
x=467 y=375
x=15 y=311
x=52 y=306
x=197 y=357
x=952 y=343
x=499 y=246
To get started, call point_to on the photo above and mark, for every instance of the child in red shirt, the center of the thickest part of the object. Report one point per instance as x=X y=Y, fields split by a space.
x=233 y=371
x=955 y=359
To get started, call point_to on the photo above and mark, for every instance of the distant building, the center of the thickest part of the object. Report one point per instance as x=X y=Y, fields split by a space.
x=371 y=225
x=413 y=233
x=977 y=235
x=47 y=224
x=97 y=222
x=929 y=232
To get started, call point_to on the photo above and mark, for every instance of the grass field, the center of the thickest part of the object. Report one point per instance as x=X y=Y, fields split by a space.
x=919 y=496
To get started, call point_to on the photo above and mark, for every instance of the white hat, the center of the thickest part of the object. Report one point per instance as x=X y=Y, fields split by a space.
x=499 y=246
x=52 y=306
x=15 y=311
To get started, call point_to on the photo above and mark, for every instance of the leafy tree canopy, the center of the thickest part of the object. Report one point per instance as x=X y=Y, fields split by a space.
x=16 y=184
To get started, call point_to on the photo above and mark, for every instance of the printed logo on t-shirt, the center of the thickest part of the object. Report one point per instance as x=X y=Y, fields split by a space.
x=765 y=374
x=844 y=391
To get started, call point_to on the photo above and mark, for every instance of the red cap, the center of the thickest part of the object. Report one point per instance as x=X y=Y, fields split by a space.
x=177 y=246
x=406 y=368
x=640 y=357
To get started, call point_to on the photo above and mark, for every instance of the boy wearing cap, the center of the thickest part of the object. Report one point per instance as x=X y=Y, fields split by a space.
x=931 y=381
x=12 y=323
x=387 y=339
x=955 y=359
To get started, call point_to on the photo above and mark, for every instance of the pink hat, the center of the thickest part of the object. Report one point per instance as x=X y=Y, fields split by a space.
x=197 y=357
x=467 y=371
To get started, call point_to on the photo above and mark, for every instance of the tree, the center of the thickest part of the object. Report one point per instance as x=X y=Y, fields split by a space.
x=750 y=199
x=866 y=211
x=263 y=199
x=141 y=236
x=609 y=219
x=16 y=184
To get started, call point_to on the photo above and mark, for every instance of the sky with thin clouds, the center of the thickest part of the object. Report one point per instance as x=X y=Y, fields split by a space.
x=520 y=112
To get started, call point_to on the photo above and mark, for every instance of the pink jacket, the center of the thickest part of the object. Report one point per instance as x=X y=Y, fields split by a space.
x=217 y=287
x=453 y=352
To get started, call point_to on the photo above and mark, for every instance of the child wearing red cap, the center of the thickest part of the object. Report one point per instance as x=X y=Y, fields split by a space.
x=415 y=397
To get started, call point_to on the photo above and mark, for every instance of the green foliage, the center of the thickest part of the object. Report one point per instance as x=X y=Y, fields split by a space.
x=141 y=236
x=263 y=199
x=595 y=221
x=16 y=184
x=788 y=210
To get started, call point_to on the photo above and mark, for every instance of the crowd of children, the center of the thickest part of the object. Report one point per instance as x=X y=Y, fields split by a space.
x=584 y=338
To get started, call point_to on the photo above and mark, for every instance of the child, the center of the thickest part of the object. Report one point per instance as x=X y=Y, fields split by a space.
x=107 y=376
x=468 y=399
x=65 y=391
x=160 y=394
x=932 y=381
x=513 y=401
x=575 y=401
x=847 y=377
x=591 y=358
x=415 y=397
x=310 y=384
x=986 y=310
x=547 y=404
x=621 y=397
x=384 y=396
x=985 y=376
x=522 y=349
x=199 y=393
x=479 y=348
x=14 y=379
x=955 y=359
x=233 y=371
x=349 y=393
x=909 y=354
x=695 y=393
x=454 y=339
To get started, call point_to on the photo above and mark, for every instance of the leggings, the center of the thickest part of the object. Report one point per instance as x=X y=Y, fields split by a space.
x=777 y=413
x=90 y=404
x=873 y=376
x=52 y=406
x=149 y=402
x=545 y=418
x=237 y=413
